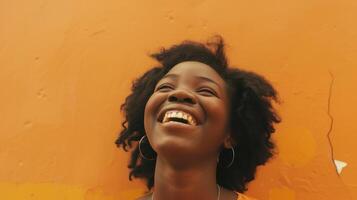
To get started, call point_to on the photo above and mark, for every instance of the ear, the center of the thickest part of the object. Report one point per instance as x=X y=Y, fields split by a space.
x=229 y=141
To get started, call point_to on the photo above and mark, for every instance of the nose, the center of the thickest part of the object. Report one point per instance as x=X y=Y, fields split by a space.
x=183 y=96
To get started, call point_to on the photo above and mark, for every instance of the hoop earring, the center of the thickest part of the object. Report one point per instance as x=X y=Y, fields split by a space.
x=233 y=156
x=141 y=154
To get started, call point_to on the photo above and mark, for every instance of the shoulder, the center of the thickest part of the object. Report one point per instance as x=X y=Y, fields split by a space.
x=244 y=197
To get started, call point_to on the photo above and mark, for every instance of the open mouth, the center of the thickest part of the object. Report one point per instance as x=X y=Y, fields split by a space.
x=178 y=116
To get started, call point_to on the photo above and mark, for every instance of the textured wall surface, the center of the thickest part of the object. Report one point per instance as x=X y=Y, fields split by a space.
x=66 y=66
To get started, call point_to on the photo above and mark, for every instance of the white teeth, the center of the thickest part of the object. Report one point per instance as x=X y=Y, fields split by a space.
x=185 y=116
x=179 y=114
x=166 y=118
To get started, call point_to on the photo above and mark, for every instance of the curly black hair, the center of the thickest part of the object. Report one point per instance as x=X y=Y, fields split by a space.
x=252 y=115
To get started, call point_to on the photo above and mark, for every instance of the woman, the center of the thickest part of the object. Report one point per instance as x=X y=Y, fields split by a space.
x=202 y=127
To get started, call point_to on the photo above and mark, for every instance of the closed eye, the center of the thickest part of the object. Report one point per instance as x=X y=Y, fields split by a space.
x=165 y=87
x=207 y=92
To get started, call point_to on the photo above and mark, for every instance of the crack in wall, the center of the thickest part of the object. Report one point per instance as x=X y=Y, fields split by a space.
x=331 y=121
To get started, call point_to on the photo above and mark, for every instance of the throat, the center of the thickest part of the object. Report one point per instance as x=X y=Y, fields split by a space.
x=176 y=183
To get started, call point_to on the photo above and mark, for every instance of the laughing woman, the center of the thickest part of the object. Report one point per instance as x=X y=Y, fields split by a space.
x=200 y=127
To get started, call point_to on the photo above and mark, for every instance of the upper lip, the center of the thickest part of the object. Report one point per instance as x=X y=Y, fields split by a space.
x=180 y=108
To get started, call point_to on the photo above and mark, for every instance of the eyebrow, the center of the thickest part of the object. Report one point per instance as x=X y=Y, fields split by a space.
x=175 y=76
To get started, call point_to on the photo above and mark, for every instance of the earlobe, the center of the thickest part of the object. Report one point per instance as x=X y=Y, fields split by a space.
x=228 y=142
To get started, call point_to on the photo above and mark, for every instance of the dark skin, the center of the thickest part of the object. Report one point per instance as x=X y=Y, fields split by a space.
x=187 y=154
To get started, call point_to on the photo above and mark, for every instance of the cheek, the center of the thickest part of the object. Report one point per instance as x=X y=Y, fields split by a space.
x=217 y=117
x=151 y=110
x=216 y=123
x=147 y=115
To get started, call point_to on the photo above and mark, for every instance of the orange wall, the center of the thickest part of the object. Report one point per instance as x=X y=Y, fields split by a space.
x=66 y=66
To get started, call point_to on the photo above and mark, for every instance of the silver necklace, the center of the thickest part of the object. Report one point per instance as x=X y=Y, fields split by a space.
x=218 y=196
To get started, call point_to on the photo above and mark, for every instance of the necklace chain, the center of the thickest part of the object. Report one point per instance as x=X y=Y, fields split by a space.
x=218 y=196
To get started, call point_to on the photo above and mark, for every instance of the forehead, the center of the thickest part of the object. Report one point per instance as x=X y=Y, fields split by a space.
x=196 y=69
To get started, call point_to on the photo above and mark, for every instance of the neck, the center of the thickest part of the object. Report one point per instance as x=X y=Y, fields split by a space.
x=189 y=182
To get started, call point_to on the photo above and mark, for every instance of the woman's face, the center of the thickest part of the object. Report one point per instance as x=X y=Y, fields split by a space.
x=187 y=114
